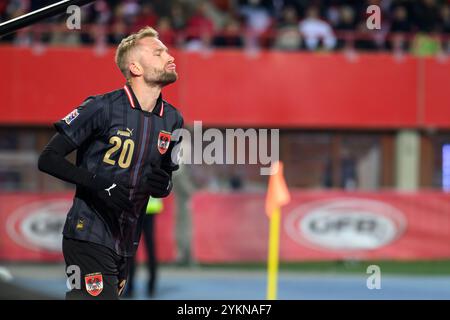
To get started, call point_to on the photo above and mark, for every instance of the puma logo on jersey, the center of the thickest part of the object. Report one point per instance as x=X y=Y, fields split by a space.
x=112 y=187
x=125 y=133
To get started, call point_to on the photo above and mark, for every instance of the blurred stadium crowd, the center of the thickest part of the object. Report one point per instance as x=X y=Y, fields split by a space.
x=420 y=26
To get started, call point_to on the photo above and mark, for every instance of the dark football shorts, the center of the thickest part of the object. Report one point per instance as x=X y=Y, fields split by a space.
x=103 y=273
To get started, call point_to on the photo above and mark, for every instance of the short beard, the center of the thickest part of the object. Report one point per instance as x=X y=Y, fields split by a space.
x=162 y=79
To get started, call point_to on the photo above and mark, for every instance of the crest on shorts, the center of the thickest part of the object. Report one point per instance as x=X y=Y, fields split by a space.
x=71 y=116
x=163 y=141
x=94 y=283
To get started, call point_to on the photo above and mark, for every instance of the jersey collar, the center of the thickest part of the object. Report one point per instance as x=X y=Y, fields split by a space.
x=134 y=103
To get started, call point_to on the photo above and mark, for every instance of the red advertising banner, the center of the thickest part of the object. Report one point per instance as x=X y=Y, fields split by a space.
x=277 y=89
x=31 y=225
x=329 y=225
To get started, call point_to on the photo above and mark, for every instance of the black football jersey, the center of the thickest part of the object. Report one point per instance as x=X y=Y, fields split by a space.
x=115 y=138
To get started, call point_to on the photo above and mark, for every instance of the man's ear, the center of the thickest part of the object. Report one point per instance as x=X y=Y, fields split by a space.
x=135 y=68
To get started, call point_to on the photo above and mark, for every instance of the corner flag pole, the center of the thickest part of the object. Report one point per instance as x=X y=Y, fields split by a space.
x=274 y=248
x=277 y=196
x=38 y=15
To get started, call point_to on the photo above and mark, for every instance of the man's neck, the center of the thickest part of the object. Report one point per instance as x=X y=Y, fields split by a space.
x=146 y=95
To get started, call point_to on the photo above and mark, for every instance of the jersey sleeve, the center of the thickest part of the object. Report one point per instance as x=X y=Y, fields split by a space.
x=85 y=121
x=171 y=157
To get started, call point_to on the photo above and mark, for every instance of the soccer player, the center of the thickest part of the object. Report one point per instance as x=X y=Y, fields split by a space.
x=124 y=146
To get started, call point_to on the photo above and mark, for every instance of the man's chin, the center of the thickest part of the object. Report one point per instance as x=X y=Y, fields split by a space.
x=164 y=79
x=168 y=78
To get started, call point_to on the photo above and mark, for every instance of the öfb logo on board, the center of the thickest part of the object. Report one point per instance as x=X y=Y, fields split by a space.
x=347 y=224
x=38 y=225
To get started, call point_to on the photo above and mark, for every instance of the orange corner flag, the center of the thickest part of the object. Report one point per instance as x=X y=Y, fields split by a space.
x=277 y=191
x=277 y=196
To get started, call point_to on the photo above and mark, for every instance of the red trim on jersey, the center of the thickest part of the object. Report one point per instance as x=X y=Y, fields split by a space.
x=127 y=91
x=162 y=109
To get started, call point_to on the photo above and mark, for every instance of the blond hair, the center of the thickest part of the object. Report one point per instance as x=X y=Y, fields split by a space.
x=128 y=44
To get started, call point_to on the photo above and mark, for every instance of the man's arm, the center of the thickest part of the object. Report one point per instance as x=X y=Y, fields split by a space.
x=169 y=160
x=160 y=178
x=53 y=161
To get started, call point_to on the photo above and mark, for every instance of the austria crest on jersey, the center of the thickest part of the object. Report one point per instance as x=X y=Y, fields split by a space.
x=163 y=141
x=94 y=283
